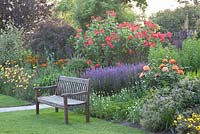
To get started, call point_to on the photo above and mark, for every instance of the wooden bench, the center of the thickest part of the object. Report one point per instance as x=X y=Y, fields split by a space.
x=68 y=91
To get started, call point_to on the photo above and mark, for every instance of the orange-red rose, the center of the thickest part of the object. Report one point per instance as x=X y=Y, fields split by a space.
x=172 y=61
x=175 y=67
x=180 y=71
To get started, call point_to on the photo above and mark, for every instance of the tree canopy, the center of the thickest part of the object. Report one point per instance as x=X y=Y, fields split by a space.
x=80 y=11
x=174 y=21
x=23 y=13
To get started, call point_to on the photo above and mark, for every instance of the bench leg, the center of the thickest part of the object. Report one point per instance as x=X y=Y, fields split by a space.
x=37 y=107
x=65 y=110
x=56 y=109
x=87 y=112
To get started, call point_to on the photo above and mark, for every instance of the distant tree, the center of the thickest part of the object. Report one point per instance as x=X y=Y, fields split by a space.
x=23 y=13
x=174 y=20
x=80 y=11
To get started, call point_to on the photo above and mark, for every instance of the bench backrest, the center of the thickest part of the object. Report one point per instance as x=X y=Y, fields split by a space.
x=72 y=85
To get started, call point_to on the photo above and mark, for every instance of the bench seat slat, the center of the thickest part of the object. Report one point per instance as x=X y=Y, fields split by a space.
x=57 y=101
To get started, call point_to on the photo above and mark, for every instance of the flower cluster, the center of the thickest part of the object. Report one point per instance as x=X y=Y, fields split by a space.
x=91 y=65
x=188 y=125
x=15 y=75
x=60 y=62
x=110 y=80
x=165 y=74
x=106 y=42
x=32 y=60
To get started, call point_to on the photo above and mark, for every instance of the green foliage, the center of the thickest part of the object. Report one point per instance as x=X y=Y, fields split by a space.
x=11 y=41
x=189 y=56
x=113 y=107
x=159 y=52
x=49 y=40
x=159 y=112
x=174 y=20
x=77 y=65
x=85 y=9
x=79 y=11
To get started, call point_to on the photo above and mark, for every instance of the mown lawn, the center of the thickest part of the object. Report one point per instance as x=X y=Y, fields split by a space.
x=49 y=122
x=7 y=101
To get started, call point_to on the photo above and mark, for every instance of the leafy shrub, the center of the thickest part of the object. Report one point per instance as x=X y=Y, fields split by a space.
x=77 y=65
x=190 y=54
x=188 y=125
x=159 y=52
x=106 y=42
x=11 y=41
x=134 y=112
x=155 y=76
x=110 y=80
x=48 y=75
x=49 y=40
x=159 y=112
x=113 y=107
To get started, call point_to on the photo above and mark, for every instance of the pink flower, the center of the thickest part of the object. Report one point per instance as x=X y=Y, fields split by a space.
x=138 y=35
x=111 y=13
x=102 y=45
x=102 y=31
x=90 y=42
x=89 y=62
x=92 y=17
x=144 y=33
x=97 y=65
x=87 y=25
x=77 y=35
x=96 y=32
x=79 y=30
x=86 y=34
x=150 y=24
x=130 y=37
x=169 y=34
x=152 y=44
x=145 y=43
x=154 y=35
x=85 y=44
x=165 y=69
x=161 y=36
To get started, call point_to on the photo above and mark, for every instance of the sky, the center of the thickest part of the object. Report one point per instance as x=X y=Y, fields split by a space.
x=157 y=5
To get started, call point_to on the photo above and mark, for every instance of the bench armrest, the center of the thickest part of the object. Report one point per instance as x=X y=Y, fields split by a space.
x=45 y=87
x=73 y=94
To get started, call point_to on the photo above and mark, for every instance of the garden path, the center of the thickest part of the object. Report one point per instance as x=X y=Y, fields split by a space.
x=21 y=108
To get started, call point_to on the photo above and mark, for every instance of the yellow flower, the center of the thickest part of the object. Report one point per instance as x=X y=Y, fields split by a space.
x=190 y=125
x=179 y=117
x=198 y=128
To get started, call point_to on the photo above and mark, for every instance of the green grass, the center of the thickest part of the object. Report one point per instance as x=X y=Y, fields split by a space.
x=7 y=101
x=49 y=122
